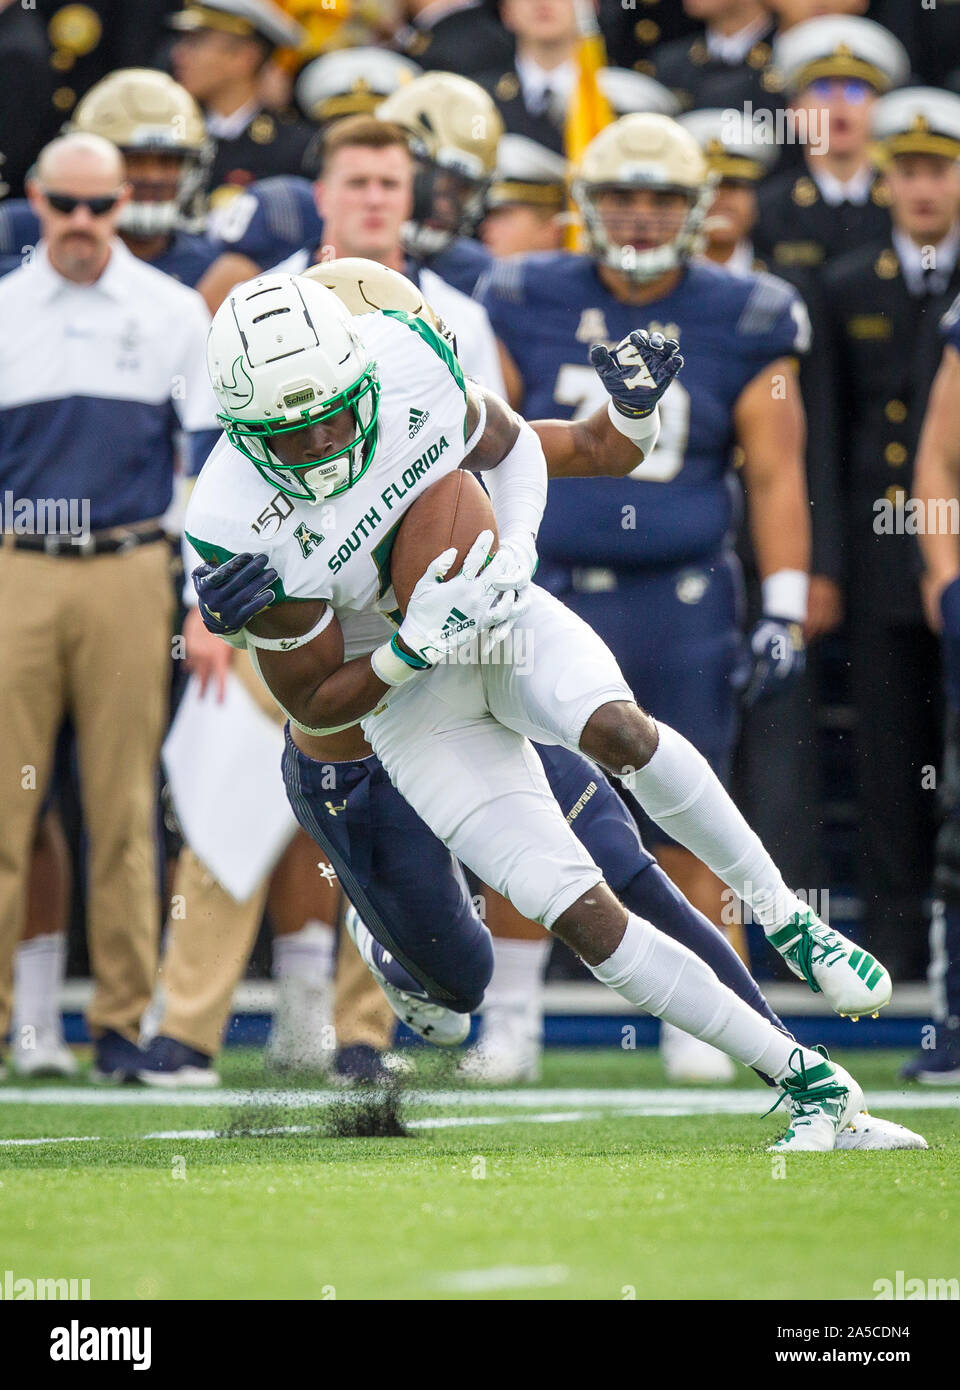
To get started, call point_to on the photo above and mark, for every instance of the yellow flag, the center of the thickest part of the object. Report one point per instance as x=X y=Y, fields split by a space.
x=589 y=111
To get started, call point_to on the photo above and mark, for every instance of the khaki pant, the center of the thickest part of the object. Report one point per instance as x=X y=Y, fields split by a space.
x=210 y=937
x=89 y=638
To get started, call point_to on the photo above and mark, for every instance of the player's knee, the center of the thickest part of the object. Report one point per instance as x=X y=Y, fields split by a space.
x=620 y=736
x=474 y=973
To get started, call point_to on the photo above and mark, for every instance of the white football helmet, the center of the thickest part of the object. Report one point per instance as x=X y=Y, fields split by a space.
x=282 y=355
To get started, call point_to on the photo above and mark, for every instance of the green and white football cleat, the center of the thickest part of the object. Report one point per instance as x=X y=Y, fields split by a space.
x=822 y=1099
x=851 y=979
x=871 y=1132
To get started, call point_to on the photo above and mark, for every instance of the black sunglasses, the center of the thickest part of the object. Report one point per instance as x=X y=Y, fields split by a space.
x=99 y=207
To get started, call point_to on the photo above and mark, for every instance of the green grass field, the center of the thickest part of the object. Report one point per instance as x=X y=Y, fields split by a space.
x=590 y=1186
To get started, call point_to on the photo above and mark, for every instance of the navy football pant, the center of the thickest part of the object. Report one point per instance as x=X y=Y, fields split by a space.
x=413 y=896
x=675 y=634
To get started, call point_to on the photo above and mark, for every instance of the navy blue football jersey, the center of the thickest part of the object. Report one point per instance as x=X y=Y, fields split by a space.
x=268 y=221
x=680 y=505
x=185 y=259
x=19 y=228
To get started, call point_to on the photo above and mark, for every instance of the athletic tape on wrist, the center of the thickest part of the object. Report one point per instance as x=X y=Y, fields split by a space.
x=392 y=666
x=784 y=595
x=644 y=433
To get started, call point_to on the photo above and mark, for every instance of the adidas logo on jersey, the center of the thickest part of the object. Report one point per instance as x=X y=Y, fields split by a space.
x=418 y=418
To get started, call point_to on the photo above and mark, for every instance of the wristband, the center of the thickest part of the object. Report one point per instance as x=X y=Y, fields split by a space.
x=393 y=666
x=643 y=432
x=289 y=644
x=784 y=595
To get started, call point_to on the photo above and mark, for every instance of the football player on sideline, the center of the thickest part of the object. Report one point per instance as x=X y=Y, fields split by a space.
x=159 y=129
x=342 y=432
x=452 y=130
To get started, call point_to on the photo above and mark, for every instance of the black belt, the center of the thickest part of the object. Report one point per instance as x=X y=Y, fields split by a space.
x=111 y=542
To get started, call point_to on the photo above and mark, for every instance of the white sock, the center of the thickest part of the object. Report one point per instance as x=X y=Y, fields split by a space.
x=37 y=977
x=306 y=954
x=656 y=973
x=513 y=1001
x=679 y=790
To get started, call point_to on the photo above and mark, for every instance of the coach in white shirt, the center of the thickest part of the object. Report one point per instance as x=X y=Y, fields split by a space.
x=101 y=366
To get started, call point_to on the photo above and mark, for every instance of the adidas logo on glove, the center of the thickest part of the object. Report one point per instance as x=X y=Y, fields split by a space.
x=456 y=622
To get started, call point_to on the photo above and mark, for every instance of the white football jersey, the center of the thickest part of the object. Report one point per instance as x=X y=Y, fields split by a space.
x=339 y=550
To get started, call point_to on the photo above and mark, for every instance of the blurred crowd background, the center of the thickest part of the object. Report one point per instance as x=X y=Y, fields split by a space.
x=832 y=771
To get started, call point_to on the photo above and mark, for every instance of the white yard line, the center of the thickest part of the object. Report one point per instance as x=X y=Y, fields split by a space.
x=641 y=1106
x=431 y=1122
x=503 y=1277
x=662 y=1101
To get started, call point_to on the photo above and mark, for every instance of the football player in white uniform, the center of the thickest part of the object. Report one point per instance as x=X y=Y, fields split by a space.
x=321 y=405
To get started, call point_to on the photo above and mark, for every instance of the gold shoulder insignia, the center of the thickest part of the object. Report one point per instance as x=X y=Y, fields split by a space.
x=75 y=28
x=805 y=192
x=759 y=55
x=886 y=266
x=263 y=129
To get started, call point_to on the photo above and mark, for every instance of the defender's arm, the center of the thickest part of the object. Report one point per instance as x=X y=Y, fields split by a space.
x=771 y=430
x=936 y=479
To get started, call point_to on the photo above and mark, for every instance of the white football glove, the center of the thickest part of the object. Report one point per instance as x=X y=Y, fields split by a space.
x=444 y=614
x=511 y=568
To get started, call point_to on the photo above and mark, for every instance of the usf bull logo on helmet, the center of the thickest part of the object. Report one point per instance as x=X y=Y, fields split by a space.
x=454 y=129
x=642 y=151
x=146 y=112
x=283 y=356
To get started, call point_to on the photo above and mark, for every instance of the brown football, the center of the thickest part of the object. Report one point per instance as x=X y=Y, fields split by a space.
x=452 y=512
